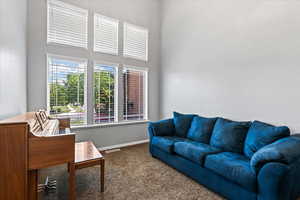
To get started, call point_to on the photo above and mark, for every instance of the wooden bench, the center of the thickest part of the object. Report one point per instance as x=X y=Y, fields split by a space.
x=87 y=155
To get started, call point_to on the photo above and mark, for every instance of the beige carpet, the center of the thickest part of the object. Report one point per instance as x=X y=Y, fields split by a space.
x=131 y=174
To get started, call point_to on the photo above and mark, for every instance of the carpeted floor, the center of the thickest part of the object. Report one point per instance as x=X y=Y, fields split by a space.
x=131 y=174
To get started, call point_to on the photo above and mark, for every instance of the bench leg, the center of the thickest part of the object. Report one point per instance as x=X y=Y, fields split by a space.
x=102 y=166
x=72 y=191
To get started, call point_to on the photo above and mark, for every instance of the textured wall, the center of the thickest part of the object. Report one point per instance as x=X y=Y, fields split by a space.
x=235 y=59
x=13 y=15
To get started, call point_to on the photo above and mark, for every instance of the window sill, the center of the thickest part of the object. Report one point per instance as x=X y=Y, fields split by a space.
x=124 y=123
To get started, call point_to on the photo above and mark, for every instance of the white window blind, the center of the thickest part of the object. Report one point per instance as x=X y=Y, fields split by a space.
x=135 y=88
x=105 y=34
x=104 y=93
x=67 y=24
x=67 y=89
x=135 y=42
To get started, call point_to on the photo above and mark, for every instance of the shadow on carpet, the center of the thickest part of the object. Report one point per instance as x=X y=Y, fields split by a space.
x=131 y=174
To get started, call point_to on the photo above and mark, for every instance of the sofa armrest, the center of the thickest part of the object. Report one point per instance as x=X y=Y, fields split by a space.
x=161 y=128
x=285 y=151
x=271 y=180
x=278 y=181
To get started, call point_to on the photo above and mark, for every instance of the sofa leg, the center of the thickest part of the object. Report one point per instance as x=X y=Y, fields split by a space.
x=153 y=156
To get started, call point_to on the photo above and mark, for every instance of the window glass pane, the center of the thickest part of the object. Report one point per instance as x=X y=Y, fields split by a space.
x=67 y=24
x=135 y=42
x=104 y=93
x=106 y=34
x=134 y=94
x=66 y=84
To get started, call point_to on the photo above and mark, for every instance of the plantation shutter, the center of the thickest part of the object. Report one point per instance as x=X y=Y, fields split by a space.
x=135 y=42
x=105 y=34
x=67 y=24
x=134 y=94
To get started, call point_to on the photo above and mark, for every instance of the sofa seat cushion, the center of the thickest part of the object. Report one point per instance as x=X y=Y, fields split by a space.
x=166 y=143
x=235 y=167
x=194 y=151
x=261 y=134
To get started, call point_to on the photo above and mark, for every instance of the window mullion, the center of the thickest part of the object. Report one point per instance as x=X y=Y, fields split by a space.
x=90 y=93
x=119 y=100
x=119 y=105
x=146 y=97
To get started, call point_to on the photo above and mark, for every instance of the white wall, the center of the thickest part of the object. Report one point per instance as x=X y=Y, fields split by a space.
x=13 y=14
x=140 y=12
x=235 y=59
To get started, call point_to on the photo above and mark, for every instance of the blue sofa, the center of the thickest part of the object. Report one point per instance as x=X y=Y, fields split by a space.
x=238 y=160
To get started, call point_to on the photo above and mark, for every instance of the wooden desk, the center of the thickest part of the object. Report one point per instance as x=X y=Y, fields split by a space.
x=87 y=155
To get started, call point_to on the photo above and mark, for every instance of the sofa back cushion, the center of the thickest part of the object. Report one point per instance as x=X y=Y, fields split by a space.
x=182 y=123
x=261 y=134
x=229 y=135
x=163 y=127
x=201 y=129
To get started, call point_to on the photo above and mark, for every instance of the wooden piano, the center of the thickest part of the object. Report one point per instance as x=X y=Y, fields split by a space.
x=28 y=143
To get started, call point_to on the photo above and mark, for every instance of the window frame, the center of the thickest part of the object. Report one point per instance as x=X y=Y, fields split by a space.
x=74 y=59
x=90 y=57
x=119 y=88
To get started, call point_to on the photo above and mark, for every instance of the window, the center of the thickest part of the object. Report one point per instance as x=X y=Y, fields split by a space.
x=135 y=84
x=66 y=89
x=67 y=24
x=105 y=34
x=87 y=91
x=135 y=42
x=104 y=93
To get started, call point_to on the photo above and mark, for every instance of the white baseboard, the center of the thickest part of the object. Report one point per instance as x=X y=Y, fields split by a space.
x=117 y=146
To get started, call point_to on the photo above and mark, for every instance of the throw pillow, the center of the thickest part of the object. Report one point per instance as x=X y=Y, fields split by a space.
x=182 y=123
x=229 y=135
x=201 y=129
x=261 y=134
